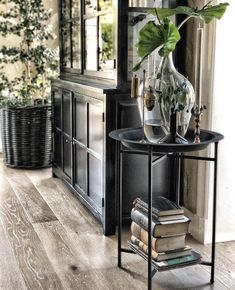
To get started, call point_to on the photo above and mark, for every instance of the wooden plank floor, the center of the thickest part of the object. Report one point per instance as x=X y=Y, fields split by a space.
x=48 y=240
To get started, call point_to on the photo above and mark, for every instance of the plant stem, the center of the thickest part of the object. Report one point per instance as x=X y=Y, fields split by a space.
x=185 y=20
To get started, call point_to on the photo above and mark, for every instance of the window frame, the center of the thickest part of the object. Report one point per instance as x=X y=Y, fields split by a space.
x=82 y=72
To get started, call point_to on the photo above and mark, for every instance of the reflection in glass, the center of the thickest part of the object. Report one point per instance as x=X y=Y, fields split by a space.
x=106 y=42
x=135 y=22
x=90 y=6
x=105 y=4
x=91 y=44
x=75 y=7
x=65 y=9
x=76 y=45
x=66 y=45
x=145 y=3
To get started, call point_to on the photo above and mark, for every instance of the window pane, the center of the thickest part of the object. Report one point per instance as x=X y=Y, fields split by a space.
x=65 y=7
x=106 y=61
x=91 y=43
x=105 y=4
x=90 y=6
x=145 y=3
x=76 y=45
x=136 y=22
x=75 y=7
x=66 y=45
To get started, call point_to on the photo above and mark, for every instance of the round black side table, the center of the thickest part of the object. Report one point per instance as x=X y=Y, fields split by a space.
x=129 y=142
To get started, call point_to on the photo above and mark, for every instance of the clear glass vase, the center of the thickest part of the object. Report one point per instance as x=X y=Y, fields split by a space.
x=164 y=93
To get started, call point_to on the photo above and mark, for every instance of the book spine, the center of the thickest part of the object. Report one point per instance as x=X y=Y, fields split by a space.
x=142 y=235
x=143 y=247
x=140 y=204
x=145 y=210
x=141 y=219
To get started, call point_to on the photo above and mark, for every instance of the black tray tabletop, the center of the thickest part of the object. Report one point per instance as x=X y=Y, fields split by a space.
x=131 y=138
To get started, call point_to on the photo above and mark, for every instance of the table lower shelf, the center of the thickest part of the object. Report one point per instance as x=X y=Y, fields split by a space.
x=193 y=259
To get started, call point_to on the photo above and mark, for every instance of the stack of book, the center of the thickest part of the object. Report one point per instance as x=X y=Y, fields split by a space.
x=169 y=229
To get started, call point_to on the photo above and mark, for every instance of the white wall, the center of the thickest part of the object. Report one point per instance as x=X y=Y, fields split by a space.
x=223 y=120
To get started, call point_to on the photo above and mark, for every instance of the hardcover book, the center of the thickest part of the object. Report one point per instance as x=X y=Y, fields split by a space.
x=193 y=258
x=161 y=206
x=161 y=256
x=156 y=216
x=160 y=229
x=161 y=244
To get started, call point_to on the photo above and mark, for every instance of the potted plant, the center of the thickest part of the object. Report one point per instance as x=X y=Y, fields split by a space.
x=25 y=98
x=168 y=92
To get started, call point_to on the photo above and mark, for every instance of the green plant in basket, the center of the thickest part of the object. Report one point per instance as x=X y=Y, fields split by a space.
x=27 y=22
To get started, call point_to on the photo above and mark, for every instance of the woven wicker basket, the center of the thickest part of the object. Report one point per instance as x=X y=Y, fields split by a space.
x=26 y=136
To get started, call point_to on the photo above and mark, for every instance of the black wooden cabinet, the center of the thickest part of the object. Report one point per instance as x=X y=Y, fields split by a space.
x=92 y=98
x=83 y=153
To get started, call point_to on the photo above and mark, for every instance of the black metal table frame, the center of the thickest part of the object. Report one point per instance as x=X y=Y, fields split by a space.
x=150 y=154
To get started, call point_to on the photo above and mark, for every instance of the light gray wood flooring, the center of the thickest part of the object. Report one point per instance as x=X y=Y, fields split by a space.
x=48 y=240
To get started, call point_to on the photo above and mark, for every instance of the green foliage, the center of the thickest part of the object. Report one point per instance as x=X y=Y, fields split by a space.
x=26 y=20
x=207 y=13
x=165 y=34
x=152 y=36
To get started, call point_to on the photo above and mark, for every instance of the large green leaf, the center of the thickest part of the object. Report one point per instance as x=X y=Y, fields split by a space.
x=207 y=13
x=162 y=13
x=152 y=36
x=171 y=37
x=210 y=12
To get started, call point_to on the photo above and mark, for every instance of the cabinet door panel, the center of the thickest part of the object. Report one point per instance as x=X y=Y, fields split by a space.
x=67 y=113
x=67 y=149
x=57 y=108
x=81 y=168
x=57 y=148
x=96 y=128
x=81 y=121
x=95 y=180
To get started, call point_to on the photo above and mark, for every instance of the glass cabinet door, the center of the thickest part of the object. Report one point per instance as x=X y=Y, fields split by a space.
x=88 y=38
x=99 y=37
x=70 y=32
